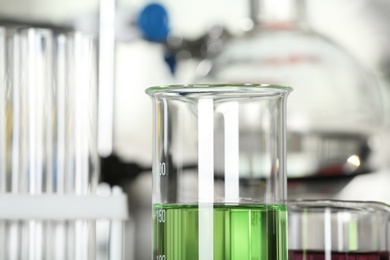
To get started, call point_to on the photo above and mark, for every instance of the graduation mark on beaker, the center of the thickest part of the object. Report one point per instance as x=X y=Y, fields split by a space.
x=162 y=169
x=160 y=257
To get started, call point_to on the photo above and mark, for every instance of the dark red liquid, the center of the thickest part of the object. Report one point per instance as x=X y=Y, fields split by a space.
x=320 y=255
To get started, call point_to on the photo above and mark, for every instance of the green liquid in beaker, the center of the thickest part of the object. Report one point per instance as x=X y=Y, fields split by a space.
x=238 y=232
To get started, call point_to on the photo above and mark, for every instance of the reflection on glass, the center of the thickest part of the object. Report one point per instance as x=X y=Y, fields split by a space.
x=342 y=230
x=336 y=107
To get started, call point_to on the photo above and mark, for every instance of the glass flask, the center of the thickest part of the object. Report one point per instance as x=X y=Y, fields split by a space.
x=334 y=229
x=209 y=201
x=336 y=106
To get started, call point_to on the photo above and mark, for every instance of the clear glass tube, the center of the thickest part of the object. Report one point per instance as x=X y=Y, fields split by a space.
x=3 y=132
x=36 y=84
x=61 y=112
x=209 y=202
x=18 y=150
x=3 y=112
x=81 y=103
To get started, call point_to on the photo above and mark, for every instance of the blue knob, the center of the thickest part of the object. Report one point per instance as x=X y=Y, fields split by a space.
x=154 y=23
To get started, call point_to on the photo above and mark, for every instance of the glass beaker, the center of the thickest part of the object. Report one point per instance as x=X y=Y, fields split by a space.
x=209 y=200
x=341 y=230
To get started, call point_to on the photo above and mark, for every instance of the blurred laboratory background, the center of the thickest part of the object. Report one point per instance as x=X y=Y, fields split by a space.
x=334 y=53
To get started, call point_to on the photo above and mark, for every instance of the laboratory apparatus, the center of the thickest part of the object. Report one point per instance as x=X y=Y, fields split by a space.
x=49 y=112
x=336 y=110
x=63 y=227
x=336 y=229
x=49 y=163
x=209 y=200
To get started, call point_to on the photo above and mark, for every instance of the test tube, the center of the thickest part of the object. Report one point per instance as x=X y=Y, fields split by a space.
x=37 y=85
x=56 y=241
x=82 y=164
x=81 y=151
x=15 y=247
x=36 y=88
x=3 y=133
x=18 y=144
x=3 y=112
x=60 y=108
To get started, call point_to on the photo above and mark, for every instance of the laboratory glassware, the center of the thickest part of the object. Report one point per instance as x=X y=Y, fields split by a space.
x=336 y=108
x=48 y=112
x=335 y=229
x=3 y=112
x=48 y=138
x=209 y=200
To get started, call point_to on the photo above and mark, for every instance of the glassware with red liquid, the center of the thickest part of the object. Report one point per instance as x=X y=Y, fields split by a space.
x=320 y=255
x=338 y=230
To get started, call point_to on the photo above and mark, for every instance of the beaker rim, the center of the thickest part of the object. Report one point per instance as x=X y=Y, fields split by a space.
x=193 y=88
x=306 y=205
